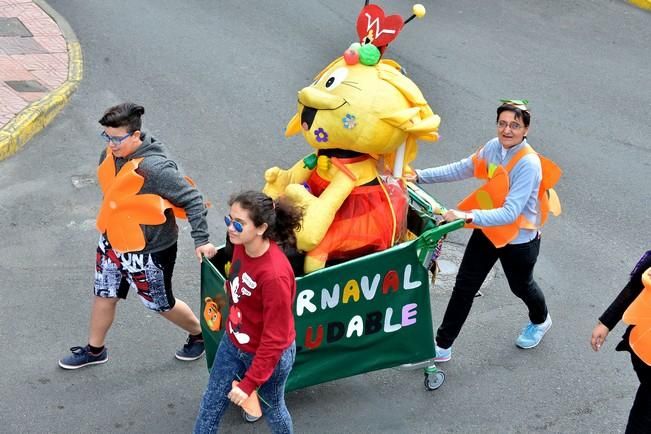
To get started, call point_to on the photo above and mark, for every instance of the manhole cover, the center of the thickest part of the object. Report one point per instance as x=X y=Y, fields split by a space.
x=13 y=27
x=26 y=86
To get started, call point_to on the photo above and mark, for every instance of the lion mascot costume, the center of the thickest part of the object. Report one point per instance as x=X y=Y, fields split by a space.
x=363 y=117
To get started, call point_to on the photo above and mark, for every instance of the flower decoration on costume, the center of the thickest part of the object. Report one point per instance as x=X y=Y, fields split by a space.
x=638 y=314
x=321 y=135
x=349 y=121
x=123 y=209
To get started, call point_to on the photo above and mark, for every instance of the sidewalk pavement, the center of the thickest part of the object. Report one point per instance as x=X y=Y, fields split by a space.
x=40 y=67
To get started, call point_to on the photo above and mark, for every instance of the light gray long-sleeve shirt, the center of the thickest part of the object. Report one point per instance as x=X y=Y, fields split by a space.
x=524 y=182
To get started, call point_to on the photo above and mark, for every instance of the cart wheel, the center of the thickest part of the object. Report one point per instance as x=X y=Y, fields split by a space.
x=248 y=418
x=434 y=380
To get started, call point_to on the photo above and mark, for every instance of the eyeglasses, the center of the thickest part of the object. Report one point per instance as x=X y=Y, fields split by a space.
x=236 y=225
x=113 y=139
x=513 y=125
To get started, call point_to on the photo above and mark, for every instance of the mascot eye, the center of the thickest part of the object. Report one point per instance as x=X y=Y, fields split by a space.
x=336 y=78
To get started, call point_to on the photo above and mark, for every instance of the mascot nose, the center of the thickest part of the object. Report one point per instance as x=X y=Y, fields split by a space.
x=318 y=99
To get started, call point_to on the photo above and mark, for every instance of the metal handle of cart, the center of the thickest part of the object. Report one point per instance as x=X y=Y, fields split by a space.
x=428 y=241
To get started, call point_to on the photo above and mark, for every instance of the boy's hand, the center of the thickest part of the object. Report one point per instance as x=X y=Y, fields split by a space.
x=208 y=250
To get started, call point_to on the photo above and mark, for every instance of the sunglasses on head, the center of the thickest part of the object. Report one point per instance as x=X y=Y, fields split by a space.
x=236 y=225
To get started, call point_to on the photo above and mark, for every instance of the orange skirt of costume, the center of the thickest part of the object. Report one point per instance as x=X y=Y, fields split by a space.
x=364 y=223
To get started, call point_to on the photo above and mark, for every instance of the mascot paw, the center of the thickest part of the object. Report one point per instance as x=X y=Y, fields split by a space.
x=316 y=217
x=299 y=195
x=276 y=181
x=313 y=264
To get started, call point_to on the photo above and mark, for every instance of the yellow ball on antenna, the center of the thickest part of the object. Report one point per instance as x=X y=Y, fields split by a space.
x=418 y=10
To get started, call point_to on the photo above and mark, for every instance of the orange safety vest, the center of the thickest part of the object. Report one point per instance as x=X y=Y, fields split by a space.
x=493 y=194
x=638 y=314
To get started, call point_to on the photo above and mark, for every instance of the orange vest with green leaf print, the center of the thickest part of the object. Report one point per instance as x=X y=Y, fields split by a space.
x=493 y=194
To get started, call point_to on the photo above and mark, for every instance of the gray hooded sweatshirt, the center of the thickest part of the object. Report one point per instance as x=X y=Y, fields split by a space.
x=162 y=177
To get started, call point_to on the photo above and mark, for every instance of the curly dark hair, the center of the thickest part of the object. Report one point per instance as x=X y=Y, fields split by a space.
x=282 y=217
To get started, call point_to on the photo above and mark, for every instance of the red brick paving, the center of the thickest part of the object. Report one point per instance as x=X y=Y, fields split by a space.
x=42 y=57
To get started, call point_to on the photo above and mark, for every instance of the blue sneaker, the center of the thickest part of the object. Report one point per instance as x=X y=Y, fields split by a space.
x=443 y=354
x=81 y=356
x=192 y=350
x=532 y=334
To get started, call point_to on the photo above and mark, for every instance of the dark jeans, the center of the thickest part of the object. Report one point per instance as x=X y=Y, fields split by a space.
x=639 y=419
x=518 y=261
x=230 y=362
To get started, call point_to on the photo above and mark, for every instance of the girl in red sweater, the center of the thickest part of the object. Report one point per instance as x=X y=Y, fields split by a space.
x=258 y=346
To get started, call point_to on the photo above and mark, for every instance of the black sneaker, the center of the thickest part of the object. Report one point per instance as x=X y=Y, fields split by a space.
x=81 y=356
x=192 y=350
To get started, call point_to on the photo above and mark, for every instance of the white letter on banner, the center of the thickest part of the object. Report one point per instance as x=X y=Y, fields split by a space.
x=303 y=301
x=407 y=284
x=330 y=300
x=369 y=293
x=388 y=328
x=355 y=325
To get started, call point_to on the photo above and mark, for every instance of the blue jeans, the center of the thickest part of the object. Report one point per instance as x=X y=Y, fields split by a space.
x=231 y=362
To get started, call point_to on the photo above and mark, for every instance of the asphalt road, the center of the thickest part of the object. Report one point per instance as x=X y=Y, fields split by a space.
x=219 y=81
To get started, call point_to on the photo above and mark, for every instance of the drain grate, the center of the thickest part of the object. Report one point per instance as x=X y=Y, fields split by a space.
x=26 y=86
x=13 y=27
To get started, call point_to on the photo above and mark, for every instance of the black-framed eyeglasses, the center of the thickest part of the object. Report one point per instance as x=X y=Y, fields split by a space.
x=513 y=125
x=236 y=225
x=114 y=139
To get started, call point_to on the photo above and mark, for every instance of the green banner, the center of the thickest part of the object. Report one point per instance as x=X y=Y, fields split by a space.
x=366 y=314
x=214 y=305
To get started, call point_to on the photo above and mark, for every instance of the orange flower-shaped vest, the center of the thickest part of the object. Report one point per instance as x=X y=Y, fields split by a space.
x=123 y=209
x=638 y=315
x=494 y=192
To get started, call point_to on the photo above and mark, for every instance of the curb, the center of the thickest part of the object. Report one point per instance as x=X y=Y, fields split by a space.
x=642 y=4
x=36 y=116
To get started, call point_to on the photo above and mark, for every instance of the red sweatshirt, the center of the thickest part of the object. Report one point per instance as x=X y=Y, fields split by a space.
x=261 y=319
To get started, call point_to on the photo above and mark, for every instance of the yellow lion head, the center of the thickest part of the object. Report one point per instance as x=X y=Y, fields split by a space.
x=371 y=109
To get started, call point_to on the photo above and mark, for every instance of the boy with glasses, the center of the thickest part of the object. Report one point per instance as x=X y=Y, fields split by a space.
x=143 y=191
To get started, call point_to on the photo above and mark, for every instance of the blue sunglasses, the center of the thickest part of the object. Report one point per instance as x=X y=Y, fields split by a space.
x=236 y=225
x=114 y=139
